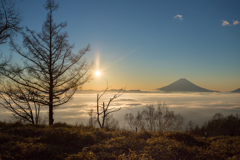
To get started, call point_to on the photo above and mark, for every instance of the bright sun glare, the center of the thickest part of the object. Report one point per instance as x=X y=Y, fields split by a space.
x=97 y=73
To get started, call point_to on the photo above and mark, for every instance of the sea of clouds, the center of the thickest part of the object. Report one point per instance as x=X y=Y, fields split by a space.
x=198 y=107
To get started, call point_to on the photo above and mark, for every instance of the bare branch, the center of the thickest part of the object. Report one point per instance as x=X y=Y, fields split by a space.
x=105 y=109
x=18 y=101
x=9 y=20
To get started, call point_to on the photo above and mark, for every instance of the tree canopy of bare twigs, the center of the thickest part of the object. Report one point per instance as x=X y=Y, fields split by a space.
x=111 y=122
x=103 y=110
x=157 y=118
x=50 y=68
x=9 y=20
x=92 y=118
x=18 y=100
x=9 y=26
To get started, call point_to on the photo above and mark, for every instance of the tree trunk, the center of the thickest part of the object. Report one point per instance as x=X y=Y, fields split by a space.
x=51 y=75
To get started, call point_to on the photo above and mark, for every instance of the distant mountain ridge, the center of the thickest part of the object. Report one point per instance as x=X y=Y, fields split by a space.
x=236 y=91
x=183 y=85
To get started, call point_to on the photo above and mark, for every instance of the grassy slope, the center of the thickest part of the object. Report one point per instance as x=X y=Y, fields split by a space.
x=61 y=141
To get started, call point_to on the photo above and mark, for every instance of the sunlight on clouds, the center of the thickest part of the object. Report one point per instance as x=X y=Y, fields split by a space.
x=236 y=22
x=198 y=107
x=179 y=17
x=225 y=23
x=75 y=117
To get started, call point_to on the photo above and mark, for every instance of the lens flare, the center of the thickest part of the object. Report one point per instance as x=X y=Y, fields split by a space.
x=97 y=73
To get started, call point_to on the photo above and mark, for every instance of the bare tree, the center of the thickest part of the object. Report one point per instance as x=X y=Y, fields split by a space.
x=129 y=118
x=9 y=25
x=18 y=100
x=218 y=125
x=9 y=20
x=190 y=126
x=104 y=110
x=111 y=122
x=139 y=121
x=157 y=118
x=4 y=62
x=92 y=118
x=150 y=117
x=50 y=68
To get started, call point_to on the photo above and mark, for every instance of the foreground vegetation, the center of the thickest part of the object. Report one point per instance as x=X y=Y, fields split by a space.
x=62 y=141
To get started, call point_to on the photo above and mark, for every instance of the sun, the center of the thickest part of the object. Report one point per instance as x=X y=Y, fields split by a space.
x=97 y=73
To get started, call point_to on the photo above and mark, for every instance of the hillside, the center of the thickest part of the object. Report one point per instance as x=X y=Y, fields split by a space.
x=236 y=91
x=183 y=85
x=62 y=141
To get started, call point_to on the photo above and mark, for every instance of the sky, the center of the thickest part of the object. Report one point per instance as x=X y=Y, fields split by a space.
x=145 y=45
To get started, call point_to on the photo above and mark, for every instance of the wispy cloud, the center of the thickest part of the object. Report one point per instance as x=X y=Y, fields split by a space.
x=225 y=23
x=178 y=16
x=236 y=22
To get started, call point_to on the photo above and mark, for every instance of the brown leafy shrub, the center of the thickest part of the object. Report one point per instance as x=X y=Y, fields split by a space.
x=67 y=137
x=86 y=155
x=79 y=142
x=187 y=138
x=143 y=135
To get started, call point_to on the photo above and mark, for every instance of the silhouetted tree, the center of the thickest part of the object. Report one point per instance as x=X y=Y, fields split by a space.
x=191 y=126
x=50 y=67
x=9 y=25
x=111 y=122
x=21 y=101
x=104 y=110
x=129 y=118
x=9 y=20
x=92 y=119
x=219 y=125
x=154 y=118
x=3 y=63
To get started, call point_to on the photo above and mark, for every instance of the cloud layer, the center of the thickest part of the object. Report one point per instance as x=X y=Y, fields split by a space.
x=198 y=107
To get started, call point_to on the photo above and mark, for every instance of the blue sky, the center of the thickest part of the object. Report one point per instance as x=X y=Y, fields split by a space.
x=149 y=44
